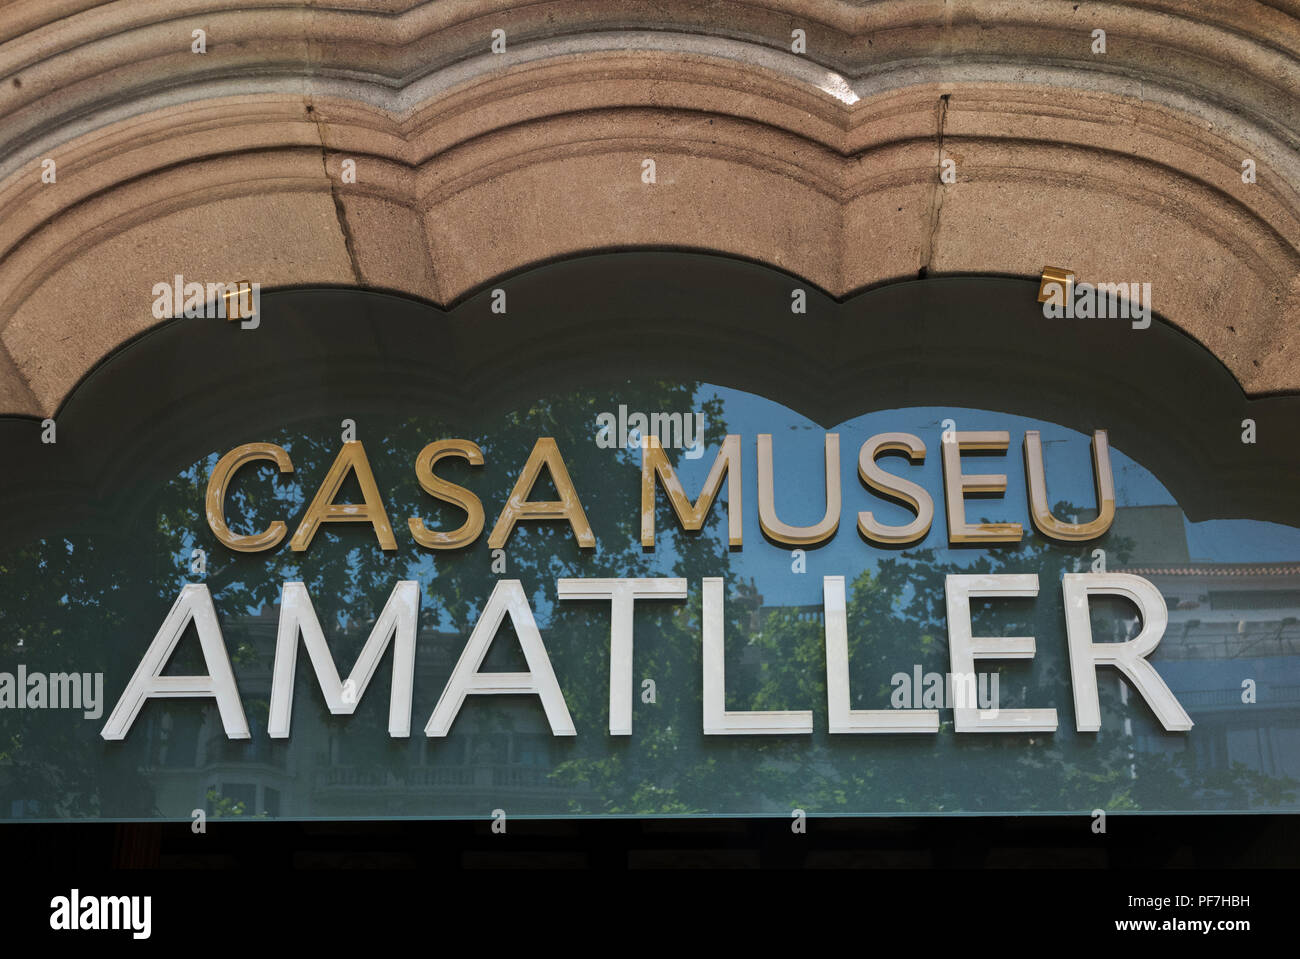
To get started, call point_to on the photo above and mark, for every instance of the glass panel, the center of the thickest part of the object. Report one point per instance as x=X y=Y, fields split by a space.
x=87 y=580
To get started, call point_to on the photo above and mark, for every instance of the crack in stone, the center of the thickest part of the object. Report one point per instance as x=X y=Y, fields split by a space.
x=936 y=199
x=340 y=214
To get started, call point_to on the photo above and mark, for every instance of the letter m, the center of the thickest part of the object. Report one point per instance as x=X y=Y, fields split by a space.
x=215 y=295
x=655 y=465
x=297 y=617
x=65 y=689
x=116 y=912
x=1116 y=302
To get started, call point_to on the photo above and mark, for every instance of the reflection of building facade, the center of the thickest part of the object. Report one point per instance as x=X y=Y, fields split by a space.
x=1234 y=631
x=1233 y=634
x=335 y=766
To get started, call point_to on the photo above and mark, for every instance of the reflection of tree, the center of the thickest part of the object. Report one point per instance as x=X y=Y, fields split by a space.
x=897 y=617
x=81 y=600
x=78 y=597
x=59 y=608
x=1236 y=787
x=224 y=807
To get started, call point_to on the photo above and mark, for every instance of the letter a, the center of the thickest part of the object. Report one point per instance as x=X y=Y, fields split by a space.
x=507 y=599
x=323 y=509
x=518 y=507
x=194 y=602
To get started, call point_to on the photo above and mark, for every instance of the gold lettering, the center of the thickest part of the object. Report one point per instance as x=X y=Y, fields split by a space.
x=222 y=473
x=448 y=493
x=323 y=509
x=1103 y=483
x=956 y=486
x=894 y=487
x=654 y=463
x=567 y=507
x=767 y=518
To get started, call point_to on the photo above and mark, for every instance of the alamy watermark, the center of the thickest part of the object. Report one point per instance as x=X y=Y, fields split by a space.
x=237 y=301
x=683 y=431
x=921 y=690
x=1065 y=299
x=24 y=690
x=75 y=912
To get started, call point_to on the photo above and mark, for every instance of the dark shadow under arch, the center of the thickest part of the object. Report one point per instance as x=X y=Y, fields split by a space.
x=978 y=342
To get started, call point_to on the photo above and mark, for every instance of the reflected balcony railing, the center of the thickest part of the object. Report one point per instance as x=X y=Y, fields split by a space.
x=484 y=775
x=266 y=752
x=1227 y=645
x=1276 y=696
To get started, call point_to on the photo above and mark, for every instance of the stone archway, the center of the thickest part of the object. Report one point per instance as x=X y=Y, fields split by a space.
x=471 y=164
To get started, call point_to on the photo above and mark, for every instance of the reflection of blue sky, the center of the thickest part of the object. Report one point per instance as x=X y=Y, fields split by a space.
x=798 y=457
x=798 y=452
x=800 y=494
x=1242 y=541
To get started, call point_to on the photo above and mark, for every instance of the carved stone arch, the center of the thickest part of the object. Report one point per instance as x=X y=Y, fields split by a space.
x=471 y=165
